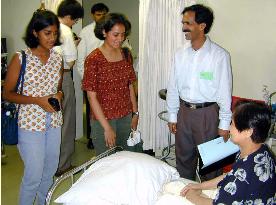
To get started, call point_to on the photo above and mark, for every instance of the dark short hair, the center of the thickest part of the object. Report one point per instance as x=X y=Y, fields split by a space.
x=255 y=116
x=70 y=7
x=40 y=20
x=203 y=14
x=107 y=22
x=99 y=7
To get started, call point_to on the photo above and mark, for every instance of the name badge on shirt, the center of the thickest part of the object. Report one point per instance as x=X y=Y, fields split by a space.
x=206 y=75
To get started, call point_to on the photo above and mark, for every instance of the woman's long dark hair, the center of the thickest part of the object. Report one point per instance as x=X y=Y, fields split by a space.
x=40 y=20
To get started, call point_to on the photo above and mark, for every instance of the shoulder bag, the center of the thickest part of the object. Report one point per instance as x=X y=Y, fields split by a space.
x=9 y=112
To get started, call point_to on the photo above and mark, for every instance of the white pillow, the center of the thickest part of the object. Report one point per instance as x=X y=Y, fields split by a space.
x=171 y=193
x=122 y=178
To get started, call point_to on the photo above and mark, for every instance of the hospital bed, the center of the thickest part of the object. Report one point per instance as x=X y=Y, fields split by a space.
x=114 y=177
x=121 y=177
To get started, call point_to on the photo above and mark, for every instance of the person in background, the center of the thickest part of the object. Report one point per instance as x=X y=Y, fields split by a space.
x=252 y=179
x=39 y=125
x=199 y=91
x=88 y=43
x=108 y=80
x=69 y=12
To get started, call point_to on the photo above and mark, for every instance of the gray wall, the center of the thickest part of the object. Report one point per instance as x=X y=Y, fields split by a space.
x=130 y=8
x=247 y=29
x=15 y=15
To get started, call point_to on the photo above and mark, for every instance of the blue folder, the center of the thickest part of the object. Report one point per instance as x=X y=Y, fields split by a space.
x=215 y=150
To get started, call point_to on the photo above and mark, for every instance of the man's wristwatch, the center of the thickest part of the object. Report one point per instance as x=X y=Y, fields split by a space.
x=135 y=113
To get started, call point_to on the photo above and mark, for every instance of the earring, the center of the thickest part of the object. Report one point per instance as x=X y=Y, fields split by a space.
x=35 y=34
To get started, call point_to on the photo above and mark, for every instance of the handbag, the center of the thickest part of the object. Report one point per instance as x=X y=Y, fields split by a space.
x=134 y=141
x=9 y=112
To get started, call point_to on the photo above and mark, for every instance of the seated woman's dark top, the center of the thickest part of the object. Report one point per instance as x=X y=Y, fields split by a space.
x=252 y=180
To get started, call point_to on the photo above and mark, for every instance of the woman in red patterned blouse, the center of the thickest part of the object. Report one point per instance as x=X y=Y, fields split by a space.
x=108 y=80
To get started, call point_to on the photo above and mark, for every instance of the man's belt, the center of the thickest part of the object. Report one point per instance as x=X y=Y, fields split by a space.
x=66 y=70
x=197 y=105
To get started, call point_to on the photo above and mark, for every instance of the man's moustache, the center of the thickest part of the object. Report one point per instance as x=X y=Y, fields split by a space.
x=186 y=30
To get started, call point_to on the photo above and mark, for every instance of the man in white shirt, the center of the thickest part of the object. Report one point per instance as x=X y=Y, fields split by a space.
x=69 y=11
x=199 y=91
x=88 y=43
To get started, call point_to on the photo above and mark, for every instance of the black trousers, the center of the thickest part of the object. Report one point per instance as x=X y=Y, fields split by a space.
x=194 y=126
x=87 y=116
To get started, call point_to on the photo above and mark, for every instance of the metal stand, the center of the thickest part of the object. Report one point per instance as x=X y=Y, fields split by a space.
x=167 y=150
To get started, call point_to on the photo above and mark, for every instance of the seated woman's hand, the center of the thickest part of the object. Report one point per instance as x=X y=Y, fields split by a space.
x=192 y=194
x=189 y=187
x=110 y=137
x=44 y=104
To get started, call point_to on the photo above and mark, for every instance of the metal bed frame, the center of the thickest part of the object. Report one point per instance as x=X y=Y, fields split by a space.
x=83 y=167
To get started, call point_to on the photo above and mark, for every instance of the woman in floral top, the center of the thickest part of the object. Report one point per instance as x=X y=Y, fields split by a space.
x=108 y=80
x=39 y=123
x=252 y=179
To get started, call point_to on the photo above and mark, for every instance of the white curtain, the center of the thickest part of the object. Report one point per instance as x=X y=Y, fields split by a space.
x=160 y=34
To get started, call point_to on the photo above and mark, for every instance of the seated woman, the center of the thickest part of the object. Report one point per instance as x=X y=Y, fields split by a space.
x=252 y=179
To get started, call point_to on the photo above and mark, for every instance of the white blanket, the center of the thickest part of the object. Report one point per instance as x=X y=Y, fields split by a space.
x=171 y=193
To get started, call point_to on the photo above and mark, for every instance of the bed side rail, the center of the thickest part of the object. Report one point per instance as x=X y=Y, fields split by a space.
x=82 y=167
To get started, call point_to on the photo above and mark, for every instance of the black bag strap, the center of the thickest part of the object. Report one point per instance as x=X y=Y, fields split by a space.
x=22 y=72
x=21 y=77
